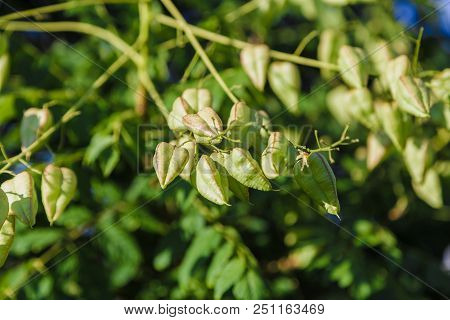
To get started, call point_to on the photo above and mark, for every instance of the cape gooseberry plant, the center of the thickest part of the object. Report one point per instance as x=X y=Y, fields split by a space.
x=375 y=82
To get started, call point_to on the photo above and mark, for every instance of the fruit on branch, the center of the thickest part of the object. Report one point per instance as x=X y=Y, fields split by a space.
x=4 y=207
x=328 y=50
x=430 y=189
x=396 y=68
x=353 y=66
x=197 y=98
x=58 y=188
x=35 y=122
x=7 y=232
x=415 y=157
x=392 y=122
x=191 y=147
x=206 y=126
x=255 y=60
x=242 y=167
x=169 y=161
x=376 y=150
x=284 y=79
x=278 y=157
x=412 y=96
x=317 y=180
x=180 y=108
x=211 y=181
x=22 y=197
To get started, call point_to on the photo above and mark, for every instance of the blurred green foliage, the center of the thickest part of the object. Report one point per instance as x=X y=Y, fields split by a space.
x=123 y=238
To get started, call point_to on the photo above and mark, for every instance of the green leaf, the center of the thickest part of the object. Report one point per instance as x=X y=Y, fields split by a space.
x=219 y=260
x=99 y=143
x=202 y=246
x=232 y=273
x=34 y=241
x=284 y=79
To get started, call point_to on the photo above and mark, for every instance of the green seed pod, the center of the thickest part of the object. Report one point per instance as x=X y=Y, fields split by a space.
x=415 y=157
x=317 y=180
x=241 y=166
x=430 y=189
x=440 y=85
x=34 y=123
x=412 y=96
x=255 y=60
x=391 y=120
x=361 y=107
x=187 y=143
x=58 y=188
x=169 y=162
x=206 y=126
x=395 y=68
x=284 y=79
x=22 y=197
x=278 y=157
x=180 y=108
x=353 y=66
x=7 y=232
x=380 y=55
x=329 y=43
x=376 y=150
x=4 y=61
x=211 y=181
x=338 y=103
x=198 y=98
x=4 y=207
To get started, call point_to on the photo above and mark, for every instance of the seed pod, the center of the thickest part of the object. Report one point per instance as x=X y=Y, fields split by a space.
x=211 y=181
x=391 y=120
x=186 y=143
x=361 y=107
x=415 y=157
x=353 y=66
x=329 y=43
x=376 y=150
x=4 y=207
x=58 y=188
x=255 y=60
x=430 y=190
x=339 y=105
x=7 y=232
x=440 y=85
x=169 y=162
x=180 y=108
x=34 y=123
x=22 y=197
x=4 y=61
x=241 y=166
x=278 y=157
x=284 y=79
x=317 y=180
x=380 y=55
x=198 y=98
x=395 y=68
x=412 y=96
x=206 y=126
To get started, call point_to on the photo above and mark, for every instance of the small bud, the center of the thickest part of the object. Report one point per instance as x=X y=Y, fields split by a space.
x=255 y=60
x=206 y=126
x=180 y=108
x=58 y=188
x=22 y=197
x=169 y=162
x=284 y=79
x=198 y=98
x=412 y=96
x=353 y=66
x=211 y=181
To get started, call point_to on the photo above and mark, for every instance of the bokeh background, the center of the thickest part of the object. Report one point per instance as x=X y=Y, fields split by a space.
x=122 y=238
